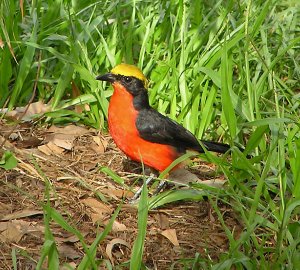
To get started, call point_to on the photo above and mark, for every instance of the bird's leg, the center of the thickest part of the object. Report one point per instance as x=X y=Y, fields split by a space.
x=162 y=184
x=138 y=193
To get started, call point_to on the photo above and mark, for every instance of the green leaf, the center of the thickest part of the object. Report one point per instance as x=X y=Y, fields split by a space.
x=24 y=67
x=267 y=121
x=63 y=83
x=113 y=175
x=49 y=250
x=8 y=161
x=226 y=89
x=255 y=139
x=174 y=196
x=294 y=229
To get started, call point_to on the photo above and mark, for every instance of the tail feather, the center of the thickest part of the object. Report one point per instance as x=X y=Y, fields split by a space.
x=215 y=146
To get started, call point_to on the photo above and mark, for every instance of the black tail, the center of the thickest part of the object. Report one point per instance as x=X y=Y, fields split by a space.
x=216 y=147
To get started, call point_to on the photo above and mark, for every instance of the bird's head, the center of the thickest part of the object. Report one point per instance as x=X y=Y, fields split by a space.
x=129 y=76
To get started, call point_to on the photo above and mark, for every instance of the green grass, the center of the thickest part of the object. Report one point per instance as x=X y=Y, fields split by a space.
x=226 y=70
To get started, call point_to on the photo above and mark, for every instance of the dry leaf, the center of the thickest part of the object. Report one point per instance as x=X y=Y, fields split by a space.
x=66 y=143
x=62 y=140
x=110 y=246
x=101 y=144
x=97 y=205
x=68 y=266
x=7 y=144
x=28 y=142
x=33 y=109
x=73 y=238
x=63 y=137
x=3 y=226
x=117 y=193
x=68 y=251
x=117 y=226
x=218 y=238
x=75 y=94
x=19 y=183
x=96 y=148
x=15 y=230
x=50 y=148
x=171 y=235
x=99 y=209
x=45 y=149
x=163 y=221
x=4 y=208
x=22 y=214
x=95 y=217
x=217 y=183
x=69 y=129
x=70 y=239
x=183 y=176
x=29 y=168
x=211 y=216
x=90 y=165
x=13 y=233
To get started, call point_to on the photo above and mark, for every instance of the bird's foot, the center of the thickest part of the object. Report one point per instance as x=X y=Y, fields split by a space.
x=162 y=184
x=137 y=195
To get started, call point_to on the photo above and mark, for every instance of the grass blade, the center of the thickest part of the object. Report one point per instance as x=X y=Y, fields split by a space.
x=138 y=247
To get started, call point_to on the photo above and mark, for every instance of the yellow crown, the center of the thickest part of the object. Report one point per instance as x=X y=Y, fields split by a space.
x=130 y=70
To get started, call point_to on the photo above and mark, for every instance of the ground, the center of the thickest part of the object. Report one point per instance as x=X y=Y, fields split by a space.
x=72 y=161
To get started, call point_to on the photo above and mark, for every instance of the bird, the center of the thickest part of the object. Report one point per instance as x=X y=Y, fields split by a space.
x=141 y=132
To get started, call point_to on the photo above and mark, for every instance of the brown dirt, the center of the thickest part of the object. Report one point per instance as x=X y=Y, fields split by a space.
x=76 y=188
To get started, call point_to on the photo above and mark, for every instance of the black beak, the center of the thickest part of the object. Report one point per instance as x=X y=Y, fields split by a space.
x=108 y=77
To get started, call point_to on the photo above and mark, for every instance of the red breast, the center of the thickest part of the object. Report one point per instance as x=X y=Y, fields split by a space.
x=121 y=122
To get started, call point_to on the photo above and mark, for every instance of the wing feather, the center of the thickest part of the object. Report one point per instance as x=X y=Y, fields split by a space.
x=155 y=127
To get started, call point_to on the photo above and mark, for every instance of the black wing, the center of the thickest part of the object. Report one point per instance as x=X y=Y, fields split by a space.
x=155 y=127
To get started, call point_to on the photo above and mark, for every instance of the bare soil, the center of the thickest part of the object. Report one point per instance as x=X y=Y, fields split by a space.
x=76 y=188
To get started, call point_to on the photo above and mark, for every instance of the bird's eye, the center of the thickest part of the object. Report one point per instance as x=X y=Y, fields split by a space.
x=128 y=79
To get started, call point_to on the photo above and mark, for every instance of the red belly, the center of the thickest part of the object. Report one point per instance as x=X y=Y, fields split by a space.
x=121 y=122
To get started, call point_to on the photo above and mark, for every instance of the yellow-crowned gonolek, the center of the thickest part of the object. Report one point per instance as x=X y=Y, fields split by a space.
x=141 y=132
